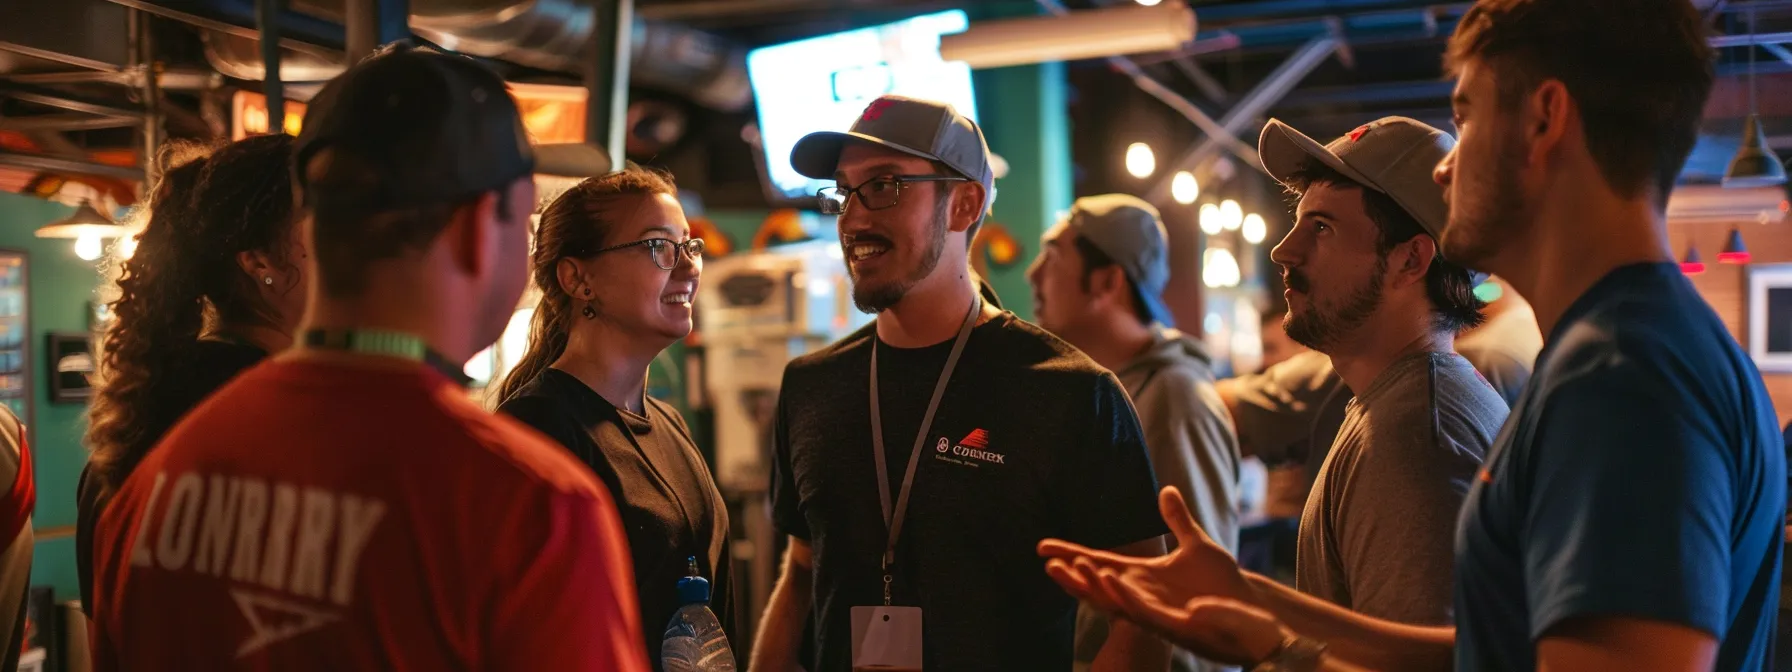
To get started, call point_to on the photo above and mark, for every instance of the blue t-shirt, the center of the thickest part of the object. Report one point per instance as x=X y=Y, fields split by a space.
x=1642 y=474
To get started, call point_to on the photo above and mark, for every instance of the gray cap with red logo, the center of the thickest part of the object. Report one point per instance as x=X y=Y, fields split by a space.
x=1392 y=155
x=924 y=128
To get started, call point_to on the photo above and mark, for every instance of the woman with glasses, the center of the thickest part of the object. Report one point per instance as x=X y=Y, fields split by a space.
x=617 y=269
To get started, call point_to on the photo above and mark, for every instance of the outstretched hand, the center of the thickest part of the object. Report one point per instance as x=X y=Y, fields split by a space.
x=1216 y=628
x=1198 y=567
x=1157 y=592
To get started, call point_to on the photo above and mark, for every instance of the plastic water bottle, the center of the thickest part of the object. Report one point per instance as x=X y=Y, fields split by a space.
x=694 y=640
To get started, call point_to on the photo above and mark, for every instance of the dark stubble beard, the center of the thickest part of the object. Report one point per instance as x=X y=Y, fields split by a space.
x=1319 y=328
x=871 y=298
x=1495 y=214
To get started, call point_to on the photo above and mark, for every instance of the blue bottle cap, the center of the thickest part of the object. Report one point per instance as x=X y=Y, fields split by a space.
x=693 y=588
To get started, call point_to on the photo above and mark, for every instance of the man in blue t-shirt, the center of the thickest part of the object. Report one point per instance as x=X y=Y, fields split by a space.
x=1629 y=516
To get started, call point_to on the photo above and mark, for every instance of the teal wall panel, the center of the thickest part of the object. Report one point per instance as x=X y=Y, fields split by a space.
x=62 y=289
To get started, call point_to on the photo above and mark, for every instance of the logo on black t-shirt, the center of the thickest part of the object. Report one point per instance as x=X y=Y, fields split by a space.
x=970 y=450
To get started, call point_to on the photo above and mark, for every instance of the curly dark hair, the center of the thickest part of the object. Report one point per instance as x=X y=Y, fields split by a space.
x=573 y=225
x=182 y=279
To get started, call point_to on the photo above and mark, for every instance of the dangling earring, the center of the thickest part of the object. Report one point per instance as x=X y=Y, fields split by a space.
x=589 y=312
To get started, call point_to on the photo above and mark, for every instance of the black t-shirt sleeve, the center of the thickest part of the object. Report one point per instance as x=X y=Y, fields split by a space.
x=1105 y=486
x=787 y=514
x=545 y=415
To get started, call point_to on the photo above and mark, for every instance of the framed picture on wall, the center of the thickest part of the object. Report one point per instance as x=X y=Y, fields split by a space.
x=1770 y=317
x=70 y=356
x=15 y=357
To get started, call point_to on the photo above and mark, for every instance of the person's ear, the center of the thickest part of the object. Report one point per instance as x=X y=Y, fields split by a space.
x=259 y=266
x=1410 y=261
x=1549 y=114
x=572 y=279
x=1108 y=283
x=966 y=207
x=472 y=235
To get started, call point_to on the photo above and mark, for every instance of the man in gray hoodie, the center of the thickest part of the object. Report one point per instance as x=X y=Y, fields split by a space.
x=1097 y=284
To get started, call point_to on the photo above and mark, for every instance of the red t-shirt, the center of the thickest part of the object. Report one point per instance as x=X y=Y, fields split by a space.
x=322 y=515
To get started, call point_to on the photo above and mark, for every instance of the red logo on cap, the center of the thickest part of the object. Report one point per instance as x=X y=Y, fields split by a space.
x=876 y=109
x=1358 y=133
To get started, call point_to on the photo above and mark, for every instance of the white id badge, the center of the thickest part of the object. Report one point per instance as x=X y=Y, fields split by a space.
x=886 y=638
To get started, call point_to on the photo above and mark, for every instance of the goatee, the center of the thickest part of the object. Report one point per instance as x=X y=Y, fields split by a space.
x=871 y=298
x=1318 y=328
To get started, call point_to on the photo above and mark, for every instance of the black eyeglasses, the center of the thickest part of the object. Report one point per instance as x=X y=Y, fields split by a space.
x=665 y=252
x=876 y=193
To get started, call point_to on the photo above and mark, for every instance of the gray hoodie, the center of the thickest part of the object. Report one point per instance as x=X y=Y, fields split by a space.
x=1193 y=446
x=1187 y=429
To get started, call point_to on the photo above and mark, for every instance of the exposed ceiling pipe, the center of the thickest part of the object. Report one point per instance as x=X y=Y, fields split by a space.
x=542 y=34
x=1169 y=97
x=1245 y=114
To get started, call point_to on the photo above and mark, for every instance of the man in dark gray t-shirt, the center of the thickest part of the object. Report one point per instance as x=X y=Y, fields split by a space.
x=1367 y=287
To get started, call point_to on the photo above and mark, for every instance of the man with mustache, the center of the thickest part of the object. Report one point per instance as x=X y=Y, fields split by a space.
x=918 y=461
x=1630 y=516
x=1367 y=287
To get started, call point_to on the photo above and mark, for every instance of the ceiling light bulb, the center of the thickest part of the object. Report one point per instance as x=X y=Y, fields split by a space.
x=1139 y=160
x=1254 y=228
x=1210 y=219
x=1148 y=3
x=88 y=247
x=1231 y=215
x=1184 y=187
x=1219 y=268
x=125 y=247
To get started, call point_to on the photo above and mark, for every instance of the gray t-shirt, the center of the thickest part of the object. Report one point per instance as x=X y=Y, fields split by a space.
x=1378 y=534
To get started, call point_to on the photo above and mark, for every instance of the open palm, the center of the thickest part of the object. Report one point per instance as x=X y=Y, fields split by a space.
x=1145 y=590
x=1198 y=567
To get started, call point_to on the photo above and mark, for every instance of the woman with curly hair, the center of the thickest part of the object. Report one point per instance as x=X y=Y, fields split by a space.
x=215 y=285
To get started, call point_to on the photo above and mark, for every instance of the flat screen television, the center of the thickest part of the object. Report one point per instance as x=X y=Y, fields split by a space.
x=823 y=84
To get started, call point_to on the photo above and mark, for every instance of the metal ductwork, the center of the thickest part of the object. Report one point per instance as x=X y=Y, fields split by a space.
x=240 y=57
x=543 y=34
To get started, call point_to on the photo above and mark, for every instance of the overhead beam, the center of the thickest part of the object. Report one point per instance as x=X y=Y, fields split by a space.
x=64 y=122
x=1209 y=86
x=31 y=93
x=55 y=164
x=321 y=38
x=1780 y=52
x=1760 y=39
x=1244 y=115
x=1155 y=89
x=606 y=79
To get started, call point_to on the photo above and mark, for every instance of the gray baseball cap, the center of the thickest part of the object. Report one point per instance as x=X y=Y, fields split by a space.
x=1392 y=155
x=1130 y=232
x=924 y=128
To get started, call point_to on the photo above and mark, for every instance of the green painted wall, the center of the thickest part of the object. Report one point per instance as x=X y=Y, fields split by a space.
x=1023 y=112
x=61 y=290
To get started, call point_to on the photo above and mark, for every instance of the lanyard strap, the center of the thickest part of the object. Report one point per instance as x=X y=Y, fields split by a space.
x=385 y=343
x=893 y=518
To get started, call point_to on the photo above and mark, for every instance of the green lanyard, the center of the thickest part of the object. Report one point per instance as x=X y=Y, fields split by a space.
x=387 y=344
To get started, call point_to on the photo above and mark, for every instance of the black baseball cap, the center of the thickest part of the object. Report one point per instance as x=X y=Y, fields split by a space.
x=436 y=128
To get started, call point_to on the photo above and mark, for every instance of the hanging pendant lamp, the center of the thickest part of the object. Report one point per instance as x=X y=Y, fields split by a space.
x=1692 y=263
x=1755 y=164
x=1734 y=251
x=84 y=222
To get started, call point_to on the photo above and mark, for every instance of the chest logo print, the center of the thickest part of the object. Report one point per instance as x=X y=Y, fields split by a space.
x=971 y=451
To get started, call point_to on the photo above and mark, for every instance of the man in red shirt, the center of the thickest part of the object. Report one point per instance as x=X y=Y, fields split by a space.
x=344 y=506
